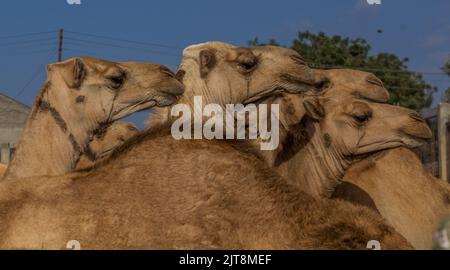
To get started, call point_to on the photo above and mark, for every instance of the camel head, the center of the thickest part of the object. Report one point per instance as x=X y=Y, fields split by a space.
x=354 y=127
x=102 y=91
x=340 y=83
x=224 y=74
x=353 y=116
x=336 y=132
x=81 y=96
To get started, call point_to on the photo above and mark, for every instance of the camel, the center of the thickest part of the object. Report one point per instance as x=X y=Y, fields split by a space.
x=225 y=74
x=315 y=161
x=396 y=184
x=80 y=97
x=129 y=201
x=231 y=74
x=147 y=196
x=105 y=142
x=318 y=180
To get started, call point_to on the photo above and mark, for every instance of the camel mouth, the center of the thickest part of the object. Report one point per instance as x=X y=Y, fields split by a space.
x=292 y=85
x=406 y=141
x=412 y=141
x=297 y=85
x=165 y=96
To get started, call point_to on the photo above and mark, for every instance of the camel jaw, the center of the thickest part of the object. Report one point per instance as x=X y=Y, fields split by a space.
x=133 y=108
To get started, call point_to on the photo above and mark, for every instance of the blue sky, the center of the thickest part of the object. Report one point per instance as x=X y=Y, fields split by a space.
x=417 y=29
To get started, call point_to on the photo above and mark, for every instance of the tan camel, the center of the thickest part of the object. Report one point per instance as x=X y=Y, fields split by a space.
x=314 y=153
x=161 y=193
x=225 y=74
x=80 y=96
x=396 y=184
x=130 y=203
x=105 y=142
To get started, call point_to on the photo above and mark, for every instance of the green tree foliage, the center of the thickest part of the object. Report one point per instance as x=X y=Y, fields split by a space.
x=406 y=88
x=446 y=69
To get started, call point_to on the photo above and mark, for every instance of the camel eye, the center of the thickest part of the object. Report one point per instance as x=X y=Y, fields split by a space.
x=117 y=80
x=361 y=118
x=247 y=65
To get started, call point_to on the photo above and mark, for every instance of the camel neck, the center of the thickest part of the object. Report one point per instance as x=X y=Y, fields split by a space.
x=314 y=166
x=48 y=146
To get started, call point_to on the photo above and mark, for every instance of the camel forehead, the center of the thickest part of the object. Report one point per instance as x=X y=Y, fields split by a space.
x=356 y=83
x=100 y=65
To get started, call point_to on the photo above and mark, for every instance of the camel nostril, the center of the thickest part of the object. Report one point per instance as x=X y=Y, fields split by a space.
x=167 y=71
x=417 y=117
x=321 y=85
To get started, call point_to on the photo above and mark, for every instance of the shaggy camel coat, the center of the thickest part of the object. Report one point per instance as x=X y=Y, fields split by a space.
x=187 y=194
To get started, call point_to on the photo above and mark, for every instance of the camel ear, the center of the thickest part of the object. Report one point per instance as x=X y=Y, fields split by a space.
x=291 y=109
x=73 y=71
x=207 y=62
x=314 y=109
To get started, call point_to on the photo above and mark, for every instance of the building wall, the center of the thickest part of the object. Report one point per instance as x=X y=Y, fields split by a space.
x=13 y=116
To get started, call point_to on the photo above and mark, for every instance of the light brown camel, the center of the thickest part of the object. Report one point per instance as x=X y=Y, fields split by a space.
x=150 y=197
x=161 y=193
x=396 y=184
x=225 y=74
x=79 y=97
x=342 y=85
x=316 y=165
x=105 y=142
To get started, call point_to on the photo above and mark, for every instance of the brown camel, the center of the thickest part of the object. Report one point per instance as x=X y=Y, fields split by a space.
x=238 y=75
x=80 y=96
x=396 y=184
x=161 y=193
x=313 y=155
x=148 y=196
x=105 y=142
x=225 y=74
